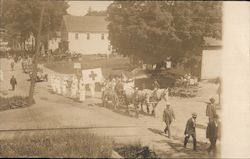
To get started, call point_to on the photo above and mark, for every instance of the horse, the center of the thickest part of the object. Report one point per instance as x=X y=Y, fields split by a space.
x=151 y=97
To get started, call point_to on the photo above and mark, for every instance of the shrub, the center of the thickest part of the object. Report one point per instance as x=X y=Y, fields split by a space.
x=134 y=150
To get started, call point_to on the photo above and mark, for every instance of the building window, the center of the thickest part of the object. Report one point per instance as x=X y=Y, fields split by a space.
x=88 y=36
x=102 y=37
x=109 y=48
x=76 y=36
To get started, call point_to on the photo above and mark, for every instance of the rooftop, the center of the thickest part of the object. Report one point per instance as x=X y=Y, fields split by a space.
x=85 y=23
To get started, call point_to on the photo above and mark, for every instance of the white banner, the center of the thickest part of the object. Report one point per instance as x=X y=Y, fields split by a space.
x=77 y=66
x=92 y=75
x=168 y=64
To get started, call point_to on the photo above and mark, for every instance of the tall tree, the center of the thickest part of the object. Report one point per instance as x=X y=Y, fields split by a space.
x=155 y=30
x=21 y=17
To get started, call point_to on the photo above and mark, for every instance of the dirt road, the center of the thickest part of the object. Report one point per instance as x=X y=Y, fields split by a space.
x=56 y=112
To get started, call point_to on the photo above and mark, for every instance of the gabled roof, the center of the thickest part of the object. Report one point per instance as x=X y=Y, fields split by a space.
x=209 y=41
x=85 y=23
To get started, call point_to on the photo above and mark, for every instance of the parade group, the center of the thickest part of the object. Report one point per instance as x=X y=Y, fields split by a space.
x=71 y=86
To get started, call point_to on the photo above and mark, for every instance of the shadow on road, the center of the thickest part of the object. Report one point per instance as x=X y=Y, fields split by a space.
x=177 y=150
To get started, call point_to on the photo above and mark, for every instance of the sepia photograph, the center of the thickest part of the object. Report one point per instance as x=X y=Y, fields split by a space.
x=124 y=79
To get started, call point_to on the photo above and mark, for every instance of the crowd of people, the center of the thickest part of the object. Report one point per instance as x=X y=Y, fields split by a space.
x=187 y=80
x=71 y=86
x=213 y=130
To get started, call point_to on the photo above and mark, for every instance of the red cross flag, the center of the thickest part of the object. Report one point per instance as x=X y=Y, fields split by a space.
x=92 y=75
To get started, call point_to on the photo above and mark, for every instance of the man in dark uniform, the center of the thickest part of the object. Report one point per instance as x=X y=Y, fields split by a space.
x=213 y=133
x=190 y=131
x=211 y=110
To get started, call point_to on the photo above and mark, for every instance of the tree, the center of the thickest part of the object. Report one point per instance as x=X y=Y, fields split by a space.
x=156 y=30
x=21 y=17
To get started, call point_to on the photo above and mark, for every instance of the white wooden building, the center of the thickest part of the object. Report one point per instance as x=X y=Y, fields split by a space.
x=211 y=65
x=85 y=34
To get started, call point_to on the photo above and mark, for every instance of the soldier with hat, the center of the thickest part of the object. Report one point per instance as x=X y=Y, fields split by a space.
x=190 y=131
x=168 y=117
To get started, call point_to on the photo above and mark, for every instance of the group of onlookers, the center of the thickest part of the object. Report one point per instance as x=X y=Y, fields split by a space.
x=213 y=130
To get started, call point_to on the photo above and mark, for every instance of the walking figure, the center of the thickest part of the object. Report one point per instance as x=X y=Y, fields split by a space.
x=190 y=131
x=213 y=133
x=211 y=110
x=168 y=117
x=12 y=65
x=13 y=82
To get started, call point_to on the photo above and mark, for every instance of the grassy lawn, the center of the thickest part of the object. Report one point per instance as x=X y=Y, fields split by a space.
x=66 y=144
x=113 y=65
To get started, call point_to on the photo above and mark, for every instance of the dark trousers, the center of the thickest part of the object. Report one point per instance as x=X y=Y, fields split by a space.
x=13 y=87
x=194 y=140
x=212 y=146
x=167 y=129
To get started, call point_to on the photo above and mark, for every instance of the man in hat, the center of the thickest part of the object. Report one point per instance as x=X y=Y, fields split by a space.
x=211 y=110
x=13 y=82
x=213 y=133
x=190 y=131
x=168 y=117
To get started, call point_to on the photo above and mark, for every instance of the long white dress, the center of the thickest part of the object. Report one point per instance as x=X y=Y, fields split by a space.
x=64 y=87
x=74 y=88
x=82 y=90
x=52 y=83
x=58 y=83
x=92 y=89
x=1 y=75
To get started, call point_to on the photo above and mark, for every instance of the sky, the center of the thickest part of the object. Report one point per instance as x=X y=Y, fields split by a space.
x=80 y=8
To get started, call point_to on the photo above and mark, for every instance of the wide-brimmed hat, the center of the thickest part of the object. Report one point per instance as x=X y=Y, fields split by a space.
x=194 y=114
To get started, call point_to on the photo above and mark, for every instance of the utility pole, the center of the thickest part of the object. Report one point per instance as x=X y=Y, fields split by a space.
x=34 y=70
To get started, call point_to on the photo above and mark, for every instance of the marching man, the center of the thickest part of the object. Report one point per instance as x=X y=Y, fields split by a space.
x=82 y=90
x=64 y=86
x=74 y=86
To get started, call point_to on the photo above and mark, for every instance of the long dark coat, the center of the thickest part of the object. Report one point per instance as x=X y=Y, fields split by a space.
x=190 y=127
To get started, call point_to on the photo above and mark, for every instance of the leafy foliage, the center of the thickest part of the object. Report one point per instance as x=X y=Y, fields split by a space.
x=155 y=30
x=21 y=17
x=96 y=13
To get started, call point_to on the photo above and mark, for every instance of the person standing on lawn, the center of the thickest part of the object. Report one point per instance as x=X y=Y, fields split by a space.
x=13 y=82
x=211 y=110
x=12 y=64
x=213 y=133
x=168 y=117
x=190 y=131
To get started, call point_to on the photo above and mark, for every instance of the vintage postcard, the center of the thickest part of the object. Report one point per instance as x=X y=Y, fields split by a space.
x=124 y=79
